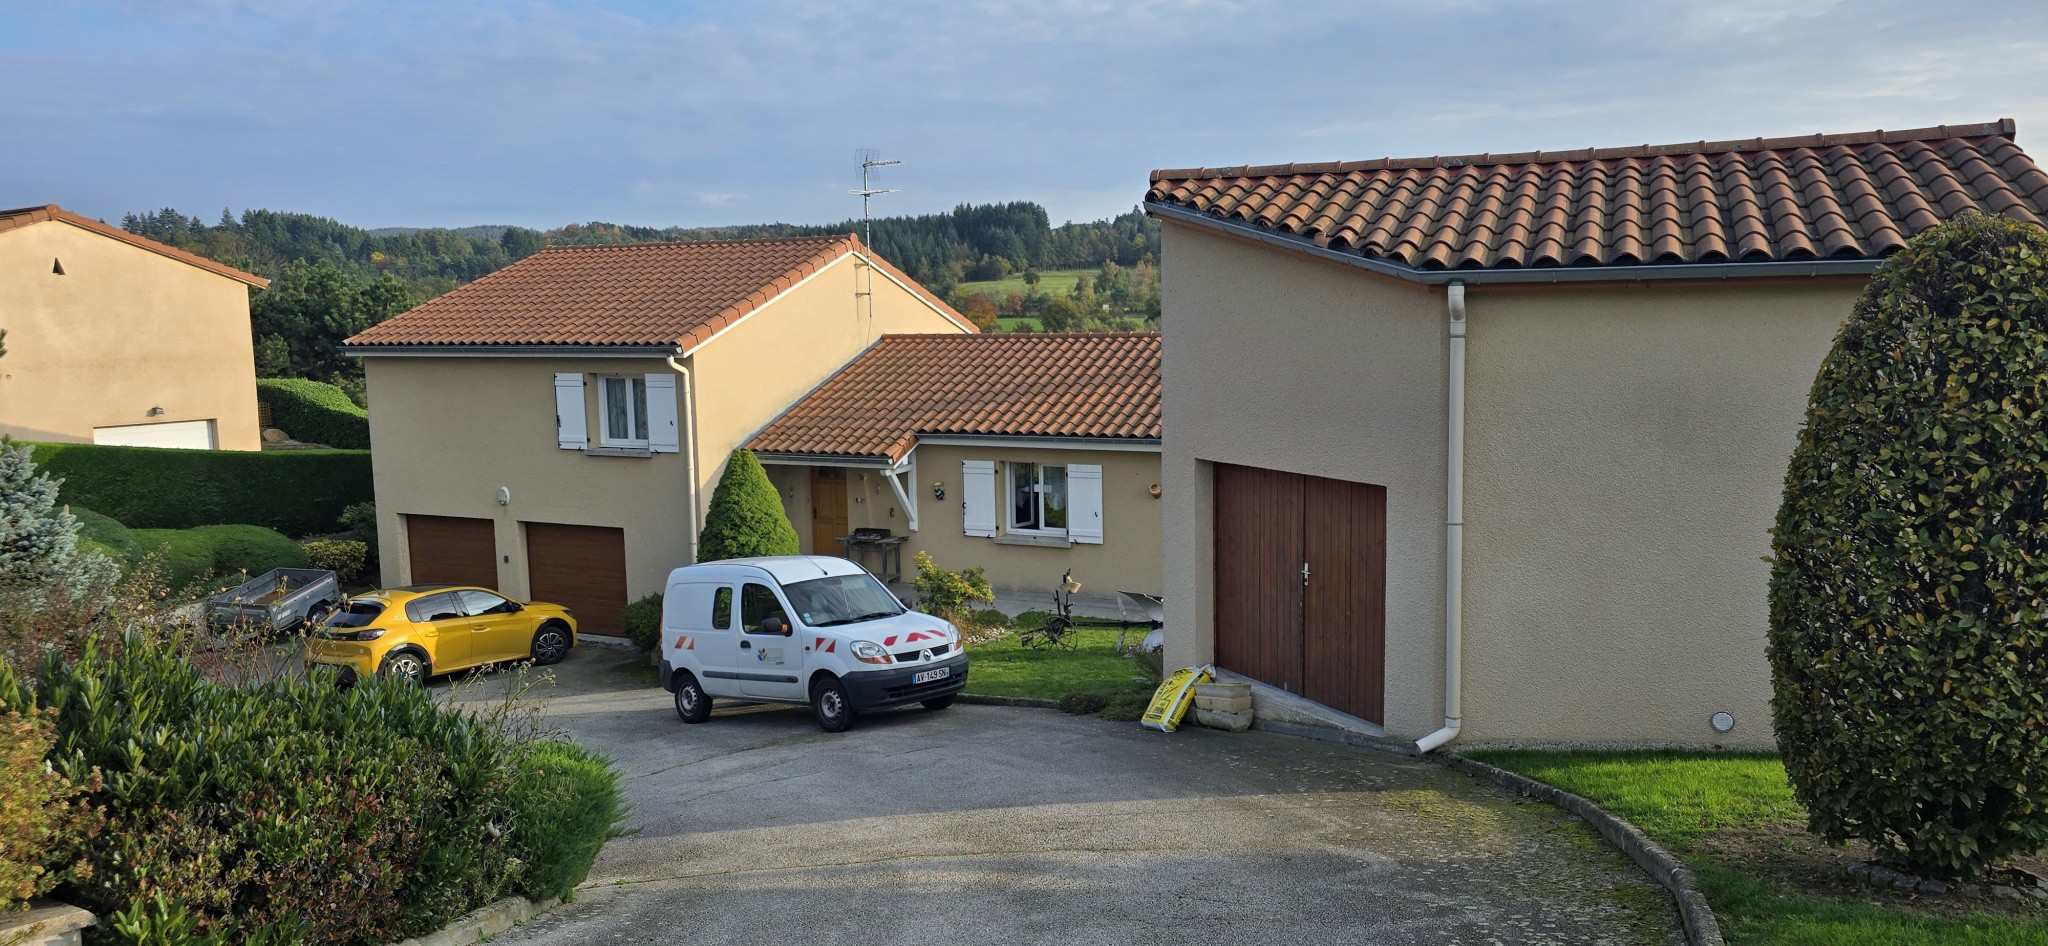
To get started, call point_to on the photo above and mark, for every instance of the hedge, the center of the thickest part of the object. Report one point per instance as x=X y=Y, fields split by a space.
x=297 y=492
x=315 y=412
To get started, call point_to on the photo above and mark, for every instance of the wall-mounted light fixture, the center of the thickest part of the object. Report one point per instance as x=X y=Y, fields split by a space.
x=504 y=495
x=1154 y=490
x=938 y=490
x=156 y=412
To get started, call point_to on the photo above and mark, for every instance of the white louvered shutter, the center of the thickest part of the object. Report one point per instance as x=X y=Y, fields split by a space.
x=978 y=497
x=1084 y=503
x=570 y=433
x=663 y=436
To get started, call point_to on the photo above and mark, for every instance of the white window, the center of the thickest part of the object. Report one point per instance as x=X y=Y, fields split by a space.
x=622 y=407
x=1037 y=498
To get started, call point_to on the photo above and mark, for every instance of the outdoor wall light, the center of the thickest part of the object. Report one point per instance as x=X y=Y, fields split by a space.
x=1154 y=490
x=156 y=412
x=938 y=491
x=504 y=495
x=1723 y=721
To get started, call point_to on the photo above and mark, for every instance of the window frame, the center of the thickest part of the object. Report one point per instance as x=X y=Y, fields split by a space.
x=462 y=595
x=781 y=609
x=721 y=607
x=1009 y=486
x=635 y=407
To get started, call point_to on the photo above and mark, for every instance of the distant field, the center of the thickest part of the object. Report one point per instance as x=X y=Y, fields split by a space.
x=1057 y=282
x=1010 y=325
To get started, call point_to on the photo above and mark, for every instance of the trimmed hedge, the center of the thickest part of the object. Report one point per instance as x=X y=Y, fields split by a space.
x=315 y=412
x=111 y=537
x=566 y=804
x=296 y=492
x=193 y=555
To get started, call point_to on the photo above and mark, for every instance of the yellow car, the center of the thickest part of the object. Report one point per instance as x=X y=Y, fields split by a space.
x=418 y=631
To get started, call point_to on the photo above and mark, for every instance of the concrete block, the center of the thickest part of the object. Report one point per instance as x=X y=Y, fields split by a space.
x=47 y=923
x=1224 y=719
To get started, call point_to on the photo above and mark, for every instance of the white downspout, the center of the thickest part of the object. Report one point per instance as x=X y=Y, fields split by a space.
x=690 y=447
x=1454 y=527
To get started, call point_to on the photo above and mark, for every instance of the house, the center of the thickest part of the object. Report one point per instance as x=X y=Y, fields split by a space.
x=1026 y=454
x=117 y=339
x=1489 y=446
x=554 y=429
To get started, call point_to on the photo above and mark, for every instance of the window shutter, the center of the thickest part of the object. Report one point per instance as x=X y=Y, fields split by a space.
x=570 y=433
x=1084 y=503
x=662 y=433
x=978 y=497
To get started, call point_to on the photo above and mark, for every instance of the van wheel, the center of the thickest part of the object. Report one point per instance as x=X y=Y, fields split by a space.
x=550 y=644
x=940 y=703
x=829 y=705
x=693 y=705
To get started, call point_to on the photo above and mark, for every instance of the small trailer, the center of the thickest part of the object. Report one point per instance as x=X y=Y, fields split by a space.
x=281 y=599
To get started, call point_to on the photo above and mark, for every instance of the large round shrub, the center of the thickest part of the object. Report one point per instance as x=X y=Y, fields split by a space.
x=1908 y=646
x=746 y=517
x=315 y=412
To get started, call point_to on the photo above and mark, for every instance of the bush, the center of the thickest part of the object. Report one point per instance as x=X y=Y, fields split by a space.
x=344 y=557
x=948 y=594
x=251 y=549
x=567 y=803
x=361 y=518
x=746 y=518
x=181 y=558
x=315 y=412
x=643 y=622
x=1907 y=640
x=296 y=492
x=111 y=538
x=41 y=817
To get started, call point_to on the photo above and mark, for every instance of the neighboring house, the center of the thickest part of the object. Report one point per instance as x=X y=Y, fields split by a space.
x=554 y=429
x=117 y=339
x=1025 y=454
x=1603 y=355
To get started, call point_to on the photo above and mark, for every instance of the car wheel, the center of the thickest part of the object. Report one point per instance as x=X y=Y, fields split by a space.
x=693 y=705
x=550 y=644
x=829 y=705
x=405 y=665
x=941 y=702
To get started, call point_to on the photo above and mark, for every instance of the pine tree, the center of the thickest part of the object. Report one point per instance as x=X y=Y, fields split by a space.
x=746 y=517
x=39 y=541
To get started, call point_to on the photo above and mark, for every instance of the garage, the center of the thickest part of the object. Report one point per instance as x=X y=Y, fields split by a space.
x=451 y=550
x=1301 y=565
x=582 y=568
x=185 y=434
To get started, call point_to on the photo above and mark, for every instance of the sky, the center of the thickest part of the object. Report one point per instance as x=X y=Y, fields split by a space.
x=542 y=113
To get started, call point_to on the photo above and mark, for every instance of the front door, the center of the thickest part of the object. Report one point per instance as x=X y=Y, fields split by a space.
x=771 y=665
x=828 y=509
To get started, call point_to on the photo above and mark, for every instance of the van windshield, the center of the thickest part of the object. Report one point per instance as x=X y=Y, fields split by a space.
x=841 y=599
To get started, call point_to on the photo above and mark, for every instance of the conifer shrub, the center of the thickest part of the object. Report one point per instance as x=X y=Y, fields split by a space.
x=746 y=518
x=1909 y=583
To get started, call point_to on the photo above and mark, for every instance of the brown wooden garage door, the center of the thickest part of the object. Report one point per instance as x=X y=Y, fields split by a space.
x=451 y=550
x=1301 y=577
x=582 y=568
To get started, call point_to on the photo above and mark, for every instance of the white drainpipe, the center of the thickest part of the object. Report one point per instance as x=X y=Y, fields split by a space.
x=1454 y=527
x=689 y=447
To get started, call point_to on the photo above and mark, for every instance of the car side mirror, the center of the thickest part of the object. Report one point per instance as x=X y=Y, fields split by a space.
x=774 y=626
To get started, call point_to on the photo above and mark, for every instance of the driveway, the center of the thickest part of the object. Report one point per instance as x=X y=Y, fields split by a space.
x=983 y=824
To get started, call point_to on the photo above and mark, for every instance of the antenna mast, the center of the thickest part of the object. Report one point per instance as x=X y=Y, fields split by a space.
x=870 y=159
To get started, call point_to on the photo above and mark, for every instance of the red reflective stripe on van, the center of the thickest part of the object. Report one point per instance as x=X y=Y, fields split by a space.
x=889 y=641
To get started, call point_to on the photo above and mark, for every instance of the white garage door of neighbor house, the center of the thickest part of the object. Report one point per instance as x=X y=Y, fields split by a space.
x=190 y=434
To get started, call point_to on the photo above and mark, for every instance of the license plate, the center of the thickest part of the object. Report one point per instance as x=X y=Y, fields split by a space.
x=930 y=675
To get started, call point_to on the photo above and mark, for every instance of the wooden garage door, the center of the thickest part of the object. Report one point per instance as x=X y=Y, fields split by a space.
x=582 y=568
x=451 y=550
x=1301 y=565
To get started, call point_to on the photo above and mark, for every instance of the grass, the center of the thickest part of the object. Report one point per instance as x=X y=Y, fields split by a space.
x=1010 y=325
x=1057 y=282
x=1733 y=817
x=1005 y=667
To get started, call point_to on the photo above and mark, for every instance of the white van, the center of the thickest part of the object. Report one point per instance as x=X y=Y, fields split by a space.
x=801 y=629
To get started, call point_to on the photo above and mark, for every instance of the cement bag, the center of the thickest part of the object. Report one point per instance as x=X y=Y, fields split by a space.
x=1170 y=702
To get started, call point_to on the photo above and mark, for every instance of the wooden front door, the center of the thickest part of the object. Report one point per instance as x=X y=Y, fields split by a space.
x=1301 y=565
x=582 y=568
x=450 y=550
x=828 y=509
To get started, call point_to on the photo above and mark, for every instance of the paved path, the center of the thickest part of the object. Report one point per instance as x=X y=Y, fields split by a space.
x=990 y=825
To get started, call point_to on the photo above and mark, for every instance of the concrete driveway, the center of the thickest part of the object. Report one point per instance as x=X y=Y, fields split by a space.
x=995 y=825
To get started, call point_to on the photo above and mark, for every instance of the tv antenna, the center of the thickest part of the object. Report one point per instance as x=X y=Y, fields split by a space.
x=870 y=159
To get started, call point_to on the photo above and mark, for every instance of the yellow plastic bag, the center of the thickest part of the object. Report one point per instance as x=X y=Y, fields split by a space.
x=1170 y=702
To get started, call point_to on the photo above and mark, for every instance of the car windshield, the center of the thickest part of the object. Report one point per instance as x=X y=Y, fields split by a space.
x=842 y=599
x=355 y=614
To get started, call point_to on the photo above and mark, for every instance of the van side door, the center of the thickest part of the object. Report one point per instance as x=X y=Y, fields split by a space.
x=698 y=634
x=771 y=662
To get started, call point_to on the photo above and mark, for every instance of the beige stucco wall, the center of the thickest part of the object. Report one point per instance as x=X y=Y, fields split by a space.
x=122 y=331
x=446 y=433
x=1127 y=560
x=1625 y=453
x=1279 y=361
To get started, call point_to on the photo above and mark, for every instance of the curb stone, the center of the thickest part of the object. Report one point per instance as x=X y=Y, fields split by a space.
x=1701 y=928
x=484 y=923
x=1009 y=701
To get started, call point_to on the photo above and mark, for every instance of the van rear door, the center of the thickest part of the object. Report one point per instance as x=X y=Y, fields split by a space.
x=697 y=627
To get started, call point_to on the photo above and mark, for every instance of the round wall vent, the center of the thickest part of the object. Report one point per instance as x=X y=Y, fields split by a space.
x=1723 y=722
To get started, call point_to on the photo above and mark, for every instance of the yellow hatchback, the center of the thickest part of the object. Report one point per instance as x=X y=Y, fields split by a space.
x=418 y=631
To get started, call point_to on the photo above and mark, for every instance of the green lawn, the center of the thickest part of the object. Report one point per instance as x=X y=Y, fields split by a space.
x=1057 y=282
x=1007 y=668
x=1733 y=817
x=1010 y=325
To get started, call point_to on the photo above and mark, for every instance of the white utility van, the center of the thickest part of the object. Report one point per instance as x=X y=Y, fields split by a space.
x=801 y=629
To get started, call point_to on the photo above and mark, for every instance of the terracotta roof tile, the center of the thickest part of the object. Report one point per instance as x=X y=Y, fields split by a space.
x=1853 y=196
x=636 y=294
x=24 y=216
x=1097 y=384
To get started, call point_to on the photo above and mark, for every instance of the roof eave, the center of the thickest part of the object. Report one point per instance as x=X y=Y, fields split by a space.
x=1538 y=276
x=511 y=351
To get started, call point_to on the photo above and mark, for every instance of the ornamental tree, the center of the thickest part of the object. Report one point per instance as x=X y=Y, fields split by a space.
x=39 y=547
x=746 y=516
x=1908 y=644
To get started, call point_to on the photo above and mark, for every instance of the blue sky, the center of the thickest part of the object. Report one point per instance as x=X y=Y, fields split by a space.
x=545 y=112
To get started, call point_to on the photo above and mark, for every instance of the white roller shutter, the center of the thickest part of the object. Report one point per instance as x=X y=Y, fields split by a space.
x=662 y=433
x=570 y=432
x=1084 y=503
x=978 y=497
